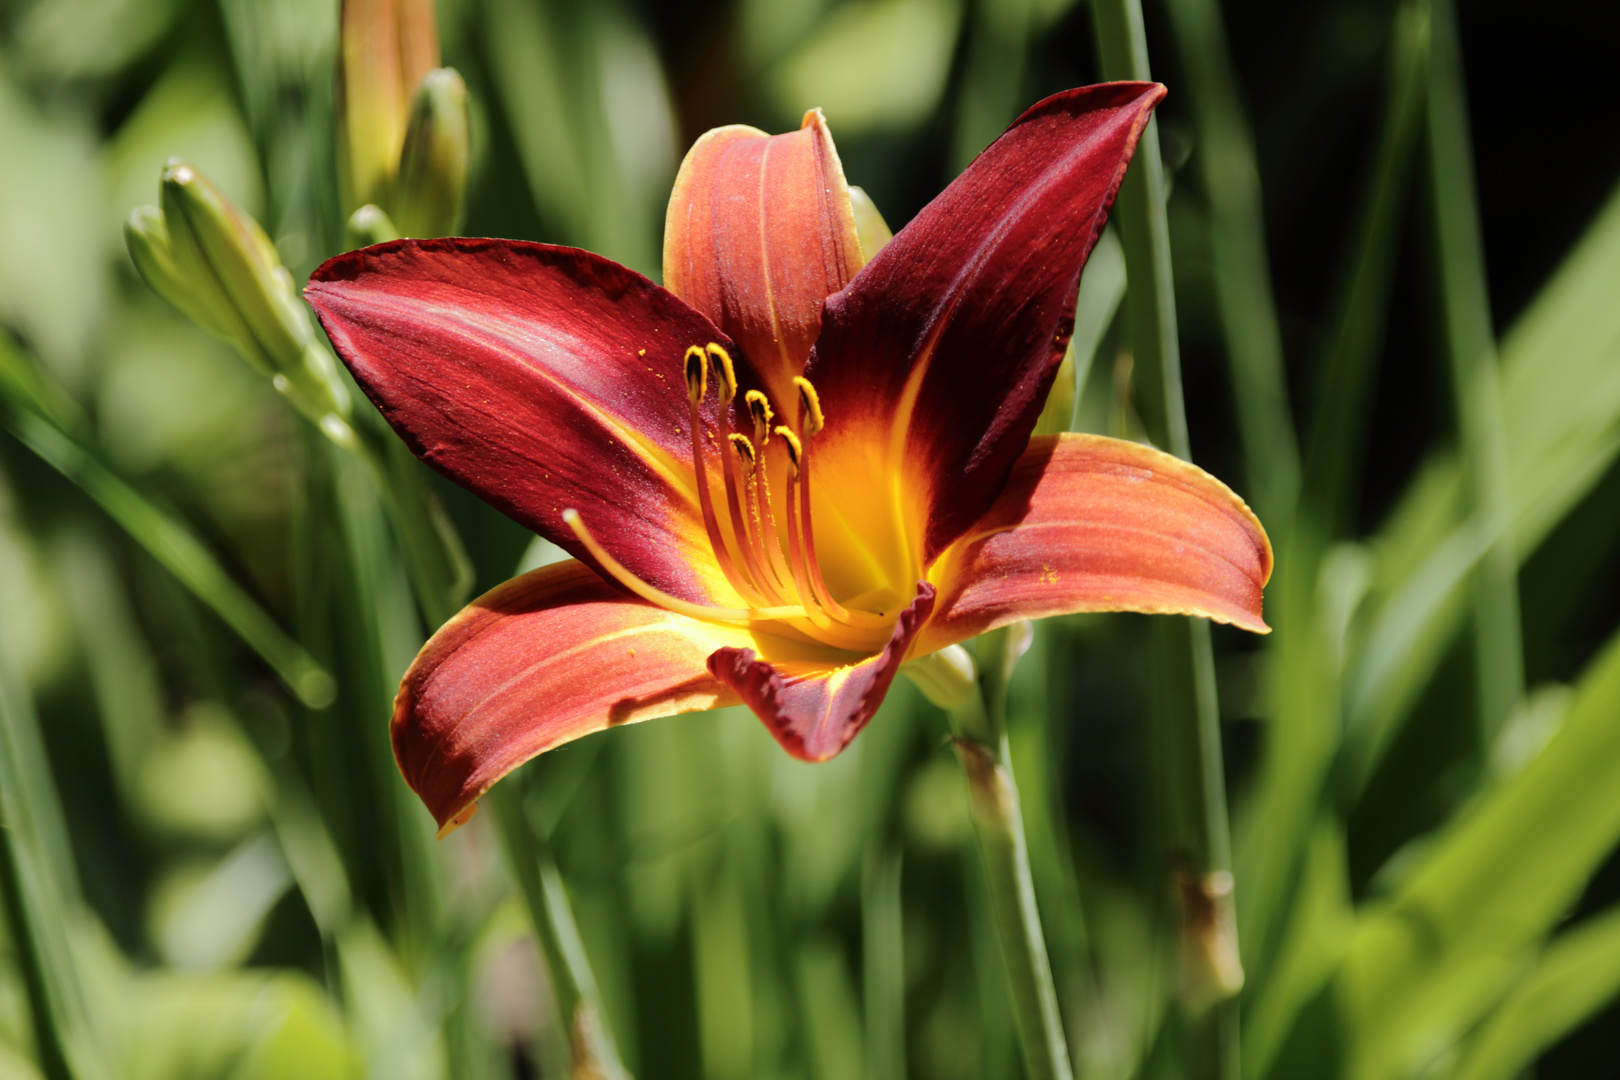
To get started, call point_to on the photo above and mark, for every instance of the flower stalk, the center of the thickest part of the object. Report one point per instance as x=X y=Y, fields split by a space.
x=978 y=726
x=1184 y=707
x=1471 y=343
x=591 y=1050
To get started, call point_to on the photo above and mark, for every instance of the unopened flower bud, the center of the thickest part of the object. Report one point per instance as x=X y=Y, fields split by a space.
x=369 y=225
x=432 y=180
x=207 y=231
x=870 y=228
x=216 y=265
x=176 y=271
x=386 y=47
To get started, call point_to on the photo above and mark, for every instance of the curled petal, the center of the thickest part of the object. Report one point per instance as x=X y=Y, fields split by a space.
x=1089 y=523
x=537 y=662
x=540 y=378
x=813 y=709
x=760 y=231
x=949 y=338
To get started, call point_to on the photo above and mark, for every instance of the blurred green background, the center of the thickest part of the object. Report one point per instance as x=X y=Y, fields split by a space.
x=214 y=876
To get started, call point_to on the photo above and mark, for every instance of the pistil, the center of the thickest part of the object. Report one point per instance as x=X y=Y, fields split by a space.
x=654 y=595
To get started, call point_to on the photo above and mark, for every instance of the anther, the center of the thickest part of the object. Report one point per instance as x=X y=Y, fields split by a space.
x=810 y=406
x=745 y=450
x=794 y=449
x=759 y=409
x=697 y=374
x=725 y=372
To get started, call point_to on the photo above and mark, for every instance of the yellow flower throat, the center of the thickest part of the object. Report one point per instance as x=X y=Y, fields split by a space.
x=774 y=569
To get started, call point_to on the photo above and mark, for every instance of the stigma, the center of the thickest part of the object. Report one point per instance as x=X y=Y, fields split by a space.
x=768 y=558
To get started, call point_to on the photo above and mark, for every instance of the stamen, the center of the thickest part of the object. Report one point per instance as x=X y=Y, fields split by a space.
x=765 y=519
x=725 y=372
x=794 y=450
x=812 y=564
x=697 y=374
x=648 y=592
x=761 y=539
x=696 y=357
x=759 y=410
x=810 y=406
x=751 y=560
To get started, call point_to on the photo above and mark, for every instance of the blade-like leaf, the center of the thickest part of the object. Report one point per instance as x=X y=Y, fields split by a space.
x=1575 y=976
x=1425 y=965
x=174 y=546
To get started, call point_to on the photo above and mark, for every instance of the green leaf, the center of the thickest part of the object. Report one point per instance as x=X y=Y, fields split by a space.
x=873 y=66
x=172 y=544
x=1575 y=976
x=1427 y=963
x=589 y=110
x=1226 y=163
x=39 y=891
x=1470 y=340
x=1561 y=422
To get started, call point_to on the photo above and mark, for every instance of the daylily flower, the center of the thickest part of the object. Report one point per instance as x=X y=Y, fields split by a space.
x=787 y=473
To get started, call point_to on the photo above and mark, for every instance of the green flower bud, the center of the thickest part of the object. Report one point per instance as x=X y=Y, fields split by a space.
x=217 y=266
x=385 y=48
x=432 y=180
x=179 y=274
x=369 y=225
x=206 y=230
x=870 y=228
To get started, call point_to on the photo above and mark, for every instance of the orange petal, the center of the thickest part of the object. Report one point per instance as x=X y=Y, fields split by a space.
x=1089 y=523
x=537 y=662
x=760 y=231
x=815 y=708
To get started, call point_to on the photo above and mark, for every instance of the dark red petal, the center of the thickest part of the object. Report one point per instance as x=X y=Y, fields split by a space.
x=815 y=710
x=760 y=231
x=539 y=661
x=541 y=378
x=1089 y=523
x=952 y=334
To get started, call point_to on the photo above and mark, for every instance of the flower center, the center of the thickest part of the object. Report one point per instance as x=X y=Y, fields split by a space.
x=772 y=565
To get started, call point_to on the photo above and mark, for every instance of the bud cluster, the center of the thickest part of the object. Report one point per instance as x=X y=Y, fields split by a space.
x=216 y=265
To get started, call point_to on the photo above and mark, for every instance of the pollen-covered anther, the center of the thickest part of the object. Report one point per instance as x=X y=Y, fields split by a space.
x=725 y=372
x=795 y=450
x=759 y=410
x=809 y=406
x=696 y=370
x=745 y=450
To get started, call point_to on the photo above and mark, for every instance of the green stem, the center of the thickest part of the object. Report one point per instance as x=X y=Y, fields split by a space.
x=1350 y=363
x=883 y=961
x=37 y=886
x=579 y=1006
x=1305 y=675
x=979 y=728
x=1237 y=240
x=435 y=559
x=1471 y=343
x=1185 y=713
